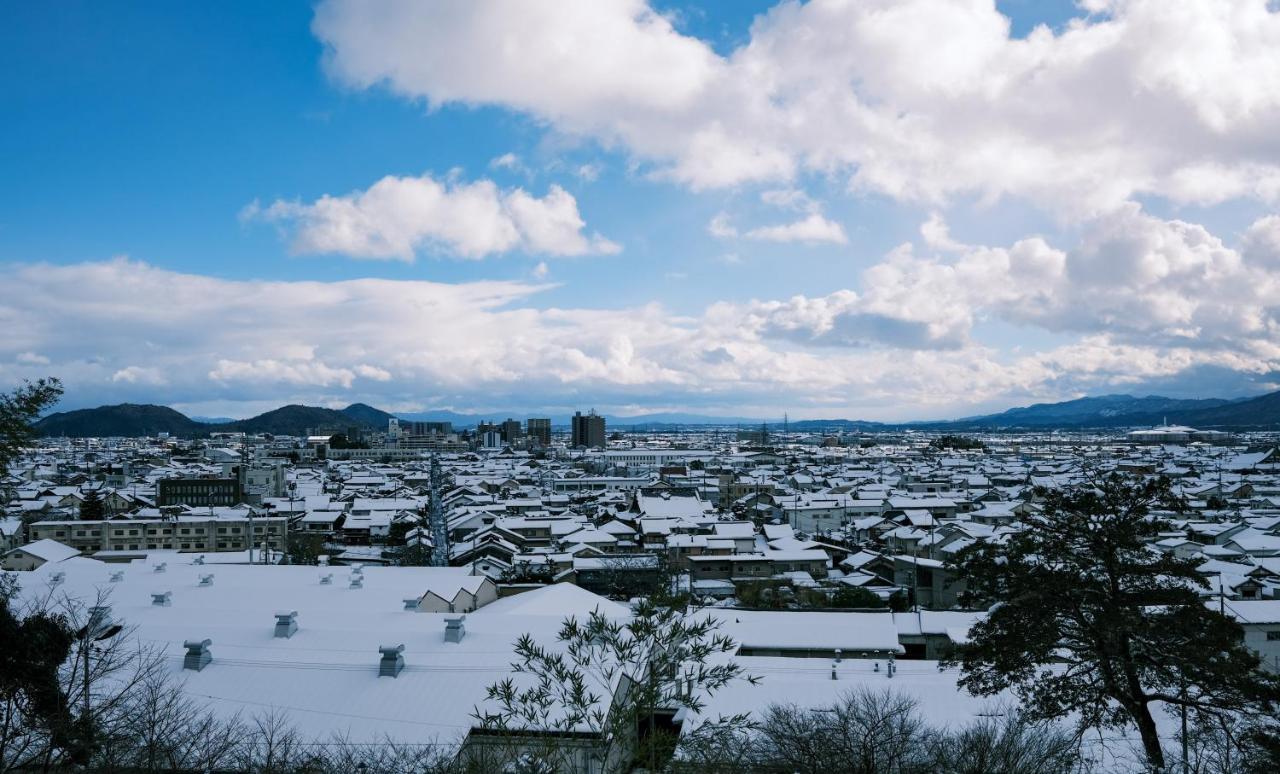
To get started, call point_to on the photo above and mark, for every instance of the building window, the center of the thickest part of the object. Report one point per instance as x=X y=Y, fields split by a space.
x=1273 y=636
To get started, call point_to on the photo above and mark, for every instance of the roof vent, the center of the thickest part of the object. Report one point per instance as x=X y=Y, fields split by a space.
x=160 y=567
x=198 y=560
x=323 y=560
x=198 y=655
x=99 y=619
x=357 y=568
x=117 y=576
x=454 y=631
x=357 y=582
x=392 y=661
x=286 y=623
x=57 y=578
x=161 y=598
x=411 y=603
x=206 y=580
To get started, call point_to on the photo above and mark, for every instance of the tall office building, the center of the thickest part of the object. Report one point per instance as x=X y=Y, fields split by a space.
x=539 y=431
x=510 y=430
x=588 y=430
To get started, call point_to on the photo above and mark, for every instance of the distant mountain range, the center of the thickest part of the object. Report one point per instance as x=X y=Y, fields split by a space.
x=132 y=420
x=1106 y=411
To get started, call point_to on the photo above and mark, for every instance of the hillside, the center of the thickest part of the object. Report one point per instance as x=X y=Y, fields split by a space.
x=1260 y=412
x=293 y=419
x=368 y=416
x=131 y=420
x=125 y=419
x=1101 y=411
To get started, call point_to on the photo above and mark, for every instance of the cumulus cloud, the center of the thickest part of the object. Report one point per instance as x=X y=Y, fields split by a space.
x=812 y=229
x=917 y=99
x=398 y=217
x=906 y=342
x=1137 y=280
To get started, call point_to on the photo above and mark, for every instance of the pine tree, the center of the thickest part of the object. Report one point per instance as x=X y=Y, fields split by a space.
x=92 y=508
x=1087 y=617
x=18 y=412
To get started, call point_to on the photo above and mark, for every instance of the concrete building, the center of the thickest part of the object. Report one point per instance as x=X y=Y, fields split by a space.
x=179 y=533
x=539 y=431
x=588 y=430
x=510 y=430
x=199 y=492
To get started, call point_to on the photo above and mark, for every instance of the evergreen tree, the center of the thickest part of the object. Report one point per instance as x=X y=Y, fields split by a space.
x=92 y=508
x=1087 y=617
x=18 y=412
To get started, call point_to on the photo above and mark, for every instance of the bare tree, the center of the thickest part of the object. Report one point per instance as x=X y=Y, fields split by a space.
x=609 y=680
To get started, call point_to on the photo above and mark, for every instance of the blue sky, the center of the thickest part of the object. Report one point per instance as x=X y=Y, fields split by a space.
x=712 y=211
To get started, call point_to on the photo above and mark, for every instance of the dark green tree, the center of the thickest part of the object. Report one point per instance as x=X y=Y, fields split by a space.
x=1086 y=617
x=32 y=700
x=855 y=597
x=18 y=412
x=305 y=548
x=92 y=508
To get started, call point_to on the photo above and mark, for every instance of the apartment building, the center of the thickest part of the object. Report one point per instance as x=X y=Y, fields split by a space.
x=179 y=533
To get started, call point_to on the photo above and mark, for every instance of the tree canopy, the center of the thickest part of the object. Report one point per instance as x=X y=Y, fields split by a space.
x=19 y=410
x=1087 y=617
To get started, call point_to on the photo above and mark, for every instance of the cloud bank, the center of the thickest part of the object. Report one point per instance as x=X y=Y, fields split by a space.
x=921 y=100
x=1137 y=300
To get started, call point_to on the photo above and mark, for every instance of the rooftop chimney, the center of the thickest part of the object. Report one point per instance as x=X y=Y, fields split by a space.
x=198 y=655
x=161 y=598
x=454 y=631
x=160 y=567
x=286 y=623
x=357 y=581
x=57 y=578
x=392 y=661
x=198 y=560
x=326 y=579
x=117 y=576
x=411 y=603
x=206 y=580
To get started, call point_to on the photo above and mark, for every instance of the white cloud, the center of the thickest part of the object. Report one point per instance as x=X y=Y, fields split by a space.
x=790 y=199
x=507 y=161
x=1137 y=300
x=721 y=227
x=937 y=235
x=398 y=217
x=1177 y=100
x=812 y=229
x=138 y=375
x=31 y=358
